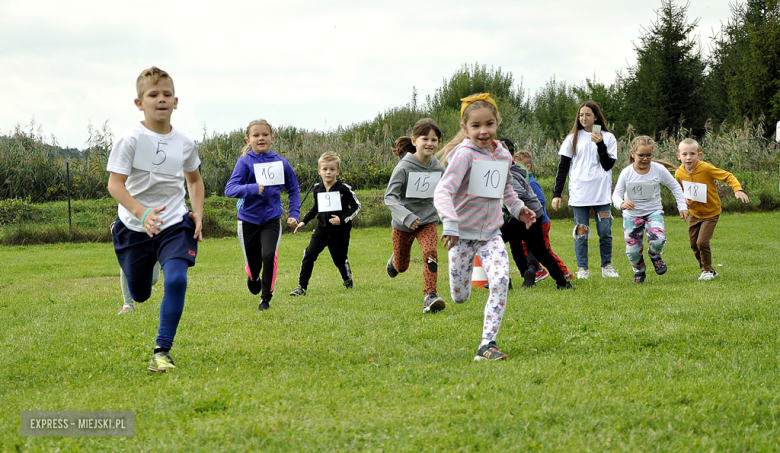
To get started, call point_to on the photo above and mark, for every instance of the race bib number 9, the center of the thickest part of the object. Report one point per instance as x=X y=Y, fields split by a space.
x=488 y=178
x=270 y=173
x=695 y=191
x=422 y=184
x=158 y=156
x=636 y=191
x=328 y=201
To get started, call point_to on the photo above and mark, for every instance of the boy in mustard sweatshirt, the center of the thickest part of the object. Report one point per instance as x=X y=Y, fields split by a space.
x=698 y=183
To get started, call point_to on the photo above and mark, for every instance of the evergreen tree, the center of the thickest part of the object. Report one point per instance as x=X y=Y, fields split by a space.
x=554 y=107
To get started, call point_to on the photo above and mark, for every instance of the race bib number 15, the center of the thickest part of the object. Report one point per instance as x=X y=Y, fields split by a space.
x=488 y=178
x=421 y=184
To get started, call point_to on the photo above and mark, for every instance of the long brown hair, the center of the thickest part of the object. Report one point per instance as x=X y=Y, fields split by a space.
x=577 y=125
x=403 y=145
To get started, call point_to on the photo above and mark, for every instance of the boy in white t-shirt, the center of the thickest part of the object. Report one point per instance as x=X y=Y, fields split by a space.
x=149 y=166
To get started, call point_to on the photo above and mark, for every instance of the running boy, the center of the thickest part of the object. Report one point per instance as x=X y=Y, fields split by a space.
x=698 y=183
x=149 y=166
x=335 y=206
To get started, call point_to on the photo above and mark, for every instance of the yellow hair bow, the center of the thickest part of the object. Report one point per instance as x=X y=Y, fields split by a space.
x=477 y=97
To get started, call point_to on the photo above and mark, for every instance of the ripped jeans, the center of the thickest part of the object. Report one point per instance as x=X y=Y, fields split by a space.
x=603 y=228
x=633 y=233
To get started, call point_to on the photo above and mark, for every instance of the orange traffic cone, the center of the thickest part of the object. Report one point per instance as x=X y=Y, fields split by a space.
x=478 y=277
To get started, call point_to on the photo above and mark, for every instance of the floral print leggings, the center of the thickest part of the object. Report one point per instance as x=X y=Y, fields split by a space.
x=495 y=262
x=633 y=229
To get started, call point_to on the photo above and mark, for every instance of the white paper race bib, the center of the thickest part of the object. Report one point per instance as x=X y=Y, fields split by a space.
x=270 y=173
x=422 y=184
x=637 y=191
x=488 y=178
x=158 y=156
x=328 y=201
x=695 y=191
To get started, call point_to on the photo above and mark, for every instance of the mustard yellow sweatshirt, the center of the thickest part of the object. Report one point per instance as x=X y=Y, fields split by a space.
x=706 y=174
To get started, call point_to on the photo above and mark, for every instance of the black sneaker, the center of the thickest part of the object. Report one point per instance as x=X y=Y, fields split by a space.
x=349 y=284
x=490 y=352
x=640 y=277
x=659 y=265
x=390 y=268
x=255 y=286
x=299 y=291
x=433 y=303
x=529 y=278
x=566 y=285
x=264 y=305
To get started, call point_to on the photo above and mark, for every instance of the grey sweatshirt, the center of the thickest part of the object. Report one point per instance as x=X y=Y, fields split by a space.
x=406 y=210
x=525 y=192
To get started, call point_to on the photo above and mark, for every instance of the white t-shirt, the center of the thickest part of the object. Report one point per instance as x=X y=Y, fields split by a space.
x=589 y=183
x=154 y=165
x=645 y=190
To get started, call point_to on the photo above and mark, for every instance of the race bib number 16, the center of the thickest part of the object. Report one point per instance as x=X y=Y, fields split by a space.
x=270 y=173
x=488 y=178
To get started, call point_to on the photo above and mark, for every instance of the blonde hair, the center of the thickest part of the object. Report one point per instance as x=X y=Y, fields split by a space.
x=644 y=140
x=256 y=122
x=471 y=107
x=329 y=156
x=151 y=76
x=523 y=156
x=689 y=141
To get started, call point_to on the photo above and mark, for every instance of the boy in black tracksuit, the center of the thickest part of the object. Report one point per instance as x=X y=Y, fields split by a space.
x=335 y=206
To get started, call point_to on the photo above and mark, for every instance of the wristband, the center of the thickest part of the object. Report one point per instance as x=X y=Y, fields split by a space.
x=143 y=219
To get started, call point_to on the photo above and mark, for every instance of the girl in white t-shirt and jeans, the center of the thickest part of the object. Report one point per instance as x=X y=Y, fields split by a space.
x=587 y=156
x=638 y=195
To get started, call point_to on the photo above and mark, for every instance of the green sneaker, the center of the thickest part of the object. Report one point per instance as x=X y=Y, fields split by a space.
x=299 y=291
x=161 y=361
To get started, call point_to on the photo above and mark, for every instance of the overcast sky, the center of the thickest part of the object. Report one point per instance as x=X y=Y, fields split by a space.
x=310 y=64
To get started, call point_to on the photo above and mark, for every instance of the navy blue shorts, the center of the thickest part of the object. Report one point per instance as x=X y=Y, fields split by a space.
x=137 y=252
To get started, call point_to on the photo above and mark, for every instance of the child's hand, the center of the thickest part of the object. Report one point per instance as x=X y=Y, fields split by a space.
x=449 y=241
x=198 y=226
x=684 y=214
x=152 y=222
x=527 y=216
x=414 y=225
x=300 y=225
x=260 y=188
x=742 y=196
x=556 y=203
x=627 y=205
x=292 y=222
x=334 y=220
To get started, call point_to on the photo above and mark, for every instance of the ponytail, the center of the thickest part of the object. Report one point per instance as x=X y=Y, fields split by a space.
x=404 y=146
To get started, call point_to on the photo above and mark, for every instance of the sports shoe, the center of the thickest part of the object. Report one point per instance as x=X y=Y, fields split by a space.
x=529 y=278
x=569 y=276
x=660 y=266
x=489 y=352
x=390 y=268
x=161 y=361
x=609 y=272
x=566 y=286
x=433 y=303
x=299 y=291
x=348 y=283
x=255 y=286
x=264 y=305
x=127 y=308
x=583 y=274
x=639 y=277
x=248 y=272
x=708 y=275
x=541 y=274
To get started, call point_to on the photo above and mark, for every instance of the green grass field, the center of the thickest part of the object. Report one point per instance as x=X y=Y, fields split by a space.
x=671 y=365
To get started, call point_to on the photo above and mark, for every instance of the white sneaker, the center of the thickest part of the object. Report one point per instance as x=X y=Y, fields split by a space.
x=609 y=271
x=583 y=274
x=707 y=275
x=127 y=308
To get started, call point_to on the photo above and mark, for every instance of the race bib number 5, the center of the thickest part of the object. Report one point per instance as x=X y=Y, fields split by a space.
x=158 y=156
x=422 y=184
x=270 y=173
x=488 y=178
x=695 y=191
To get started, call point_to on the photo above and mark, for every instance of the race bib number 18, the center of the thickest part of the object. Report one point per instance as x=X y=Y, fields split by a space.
x=695 y=191
x=421 y=184
x=488 y=178
x=270 y=173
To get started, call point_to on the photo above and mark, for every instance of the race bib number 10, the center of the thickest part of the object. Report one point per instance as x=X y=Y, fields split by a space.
x=270 y=173
x=695 y=191
x=488 y=178
x=158 y=156
x=328 y=201
x=422 y=184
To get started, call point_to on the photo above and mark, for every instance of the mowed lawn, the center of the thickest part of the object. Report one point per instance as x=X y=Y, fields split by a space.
x=672 y=365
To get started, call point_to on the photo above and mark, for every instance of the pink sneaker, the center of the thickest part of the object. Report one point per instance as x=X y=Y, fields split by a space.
x=127 y=308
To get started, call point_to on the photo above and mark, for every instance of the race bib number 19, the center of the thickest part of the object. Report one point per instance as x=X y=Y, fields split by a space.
x=328 y=201
x=270 y=173
x=695 y=191
x=636 y=191
x=158 y=156
x=488 y=178
x=421 y=184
